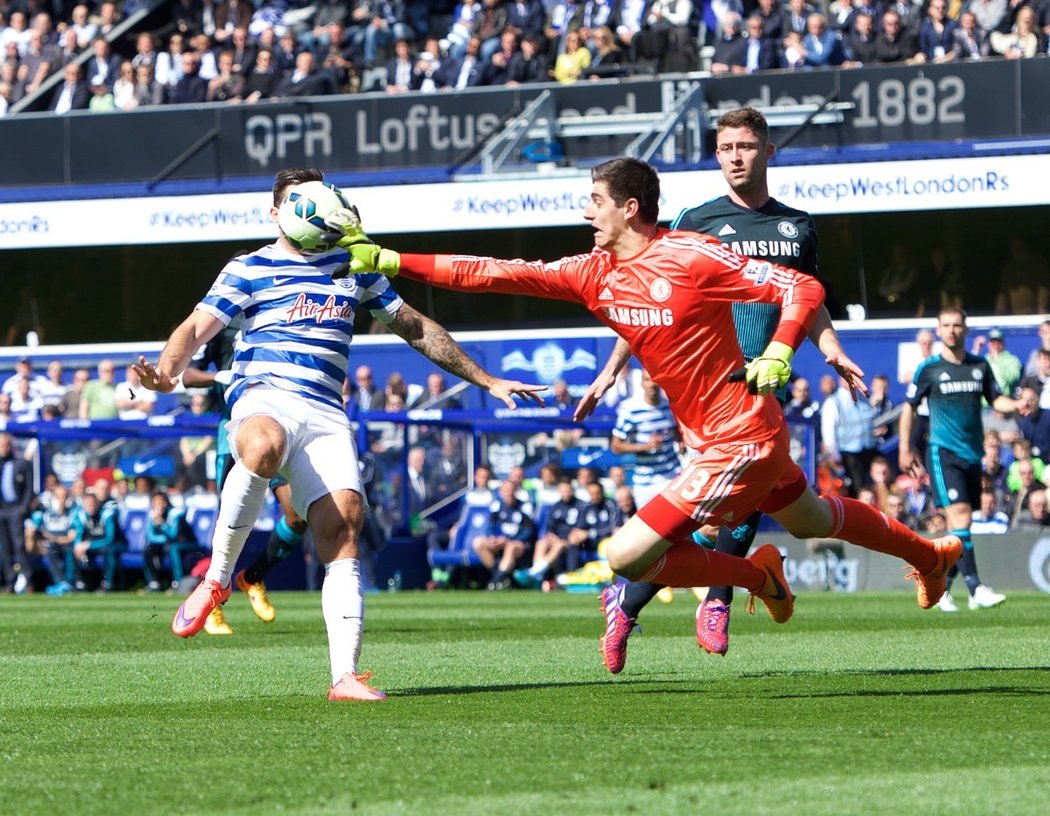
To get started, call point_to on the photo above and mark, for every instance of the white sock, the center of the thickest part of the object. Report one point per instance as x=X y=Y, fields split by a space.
x=538 y=568
x=239 y=506
x=343 y=607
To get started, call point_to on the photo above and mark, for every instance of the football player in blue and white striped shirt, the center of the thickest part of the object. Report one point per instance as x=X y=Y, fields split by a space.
x=287 y=416
x=646 y=428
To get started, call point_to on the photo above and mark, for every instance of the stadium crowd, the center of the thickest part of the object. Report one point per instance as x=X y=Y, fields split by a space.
x=541 y=529
x=245 y=51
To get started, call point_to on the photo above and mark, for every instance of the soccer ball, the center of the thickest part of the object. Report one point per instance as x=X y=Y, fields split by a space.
x=302 y=213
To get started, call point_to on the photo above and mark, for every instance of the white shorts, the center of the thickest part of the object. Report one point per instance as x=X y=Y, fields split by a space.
x=320 y=456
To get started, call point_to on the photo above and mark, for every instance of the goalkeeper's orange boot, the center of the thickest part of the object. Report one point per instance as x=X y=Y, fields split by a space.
x=354 y=687
x=257 y=597
x=775 y=592
x=930 y=586
x=193 y=612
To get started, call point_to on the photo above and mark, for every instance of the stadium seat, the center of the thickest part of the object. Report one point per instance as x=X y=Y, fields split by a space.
x=473 y=522
x=134 y=526
x=202 y=520
x=542 y=517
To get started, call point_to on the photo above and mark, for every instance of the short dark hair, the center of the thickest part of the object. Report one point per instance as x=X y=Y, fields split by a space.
x=631 y=178
x=745 y=118
x=290 y=176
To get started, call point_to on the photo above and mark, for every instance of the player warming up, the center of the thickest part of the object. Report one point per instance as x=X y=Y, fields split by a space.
x=953 y=383
x=285 y=399
x=748 y=221
x=669 y=295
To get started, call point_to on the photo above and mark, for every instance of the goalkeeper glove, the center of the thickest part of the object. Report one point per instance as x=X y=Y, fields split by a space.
x=365 y=256
x=771 y=370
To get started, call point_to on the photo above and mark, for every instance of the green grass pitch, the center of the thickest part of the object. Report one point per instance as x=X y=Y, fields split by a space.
x=499 y=705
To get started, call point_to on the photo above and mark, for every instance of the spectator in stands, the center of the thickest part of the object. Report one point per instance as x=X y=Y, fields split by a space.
x=373 y=27
x=71 y=399
x=68 y=50
x=335 y=56
x=897 y=282
x=98 y=534
x=993 y=470
x=895 y=43
x=1035 y=518
x=124 y=87
x=167 y=534
x=16 y=497
x=1005 y=366
x=145 y=50
x=84 y=30
x=761 y=53
x=822 y=46
x=168 y=68
x=841 y=15
x=6 y=417
x=419 y=497
x=598 y=520
x=304 y=80
x=988 y=519
x=365 y=394
x=73 y=93
x=51 y=532
x=990 y=14
x=53 y=388
x=562 y=522
x=102 y=99
x=104 y=65
x=560 y=396
x=1024 y=476
x=546 y=490
x=498 y=67
x=98 y=400
x=147 y=90
x=24 y=371
x=1024 y=41
x=530 y=63
x=848 y=434
x=481 y=493
x=969 y=40
x=730 y=48
x=646 y=429
x=187 y=18
x=571 y=64
x=25 y=406
x=38 y=60
x=793 y=52
x=399 y=68
x=106 y=18
x=457 y=73
x=607 y=55
x=488 y=25
x=896 y=508
x=527 y=17
x=772 y=15
x=193 y=450
x=232 y=16
x=626 y=506
x=795 y=18
x=209 y=68
x=1040 y=380
x=936 y=34
x=434 y=395
x=667 y=35
x=286 y=51
x=227 y=85
x=801 y=405
x=512 y=533
x=1024 y=284
x=191 y=87
x=134 y=401
x=1031 y=366
x=881 y=404
x=880 y=479
x=1034 y=422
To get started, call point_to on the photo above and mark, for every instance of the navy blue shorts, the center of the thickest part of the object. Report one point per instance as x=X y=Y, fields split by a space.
x=953 y=479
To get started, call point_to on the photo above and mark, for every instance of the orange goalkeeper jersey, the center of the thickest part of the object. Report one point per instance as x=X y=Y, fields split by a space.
x=672 y=304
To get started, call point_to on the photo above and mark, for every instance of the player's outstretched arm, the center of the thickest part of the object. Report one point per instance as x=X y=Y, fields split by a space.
x=605 y=380
x=191 y=334
x=365 y=255
x=432 y=341
x=823 y=335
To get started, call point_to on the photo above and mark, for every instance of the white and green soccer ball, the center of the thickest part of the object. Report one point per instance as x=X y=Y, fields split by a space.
x=302 y=213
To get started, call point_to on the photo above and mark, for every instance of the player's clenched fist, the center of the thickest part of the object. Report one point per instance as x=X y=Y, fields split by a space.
x=771 y=370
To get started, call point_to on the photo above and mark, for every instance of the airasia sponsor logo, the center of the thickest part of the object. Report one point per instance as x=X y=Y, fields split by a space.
x=331 y=309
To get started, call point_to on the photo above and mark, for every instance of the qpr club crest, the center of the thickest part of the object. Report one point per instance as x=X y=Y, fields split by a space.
x=660 y=290
x=549 y=361
x=787 y=229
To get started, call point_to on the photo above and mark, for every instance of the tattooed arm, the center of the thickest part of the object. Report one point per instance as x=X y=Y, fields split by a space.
x=432 y=341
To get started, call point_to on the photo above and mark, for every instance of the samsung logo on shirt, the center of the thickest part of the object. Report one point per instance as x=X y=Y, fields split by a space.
x=964 y=387
x=766 y=249
x=639 y=317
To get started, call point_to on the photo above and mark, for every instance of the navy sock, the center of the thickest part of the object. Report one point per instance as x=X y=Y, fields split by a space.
x=734 y=541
